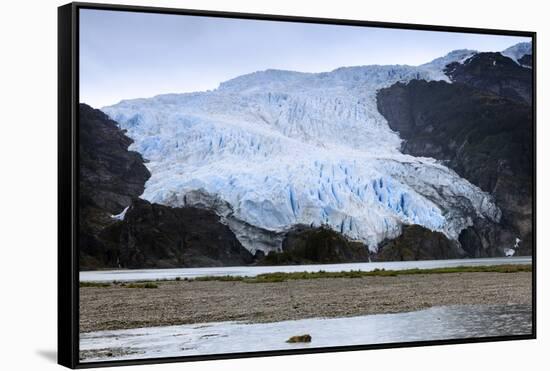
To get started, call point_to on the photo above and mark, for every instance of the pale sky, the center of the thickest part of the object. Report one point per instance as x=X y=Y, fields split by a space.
x=126 y=55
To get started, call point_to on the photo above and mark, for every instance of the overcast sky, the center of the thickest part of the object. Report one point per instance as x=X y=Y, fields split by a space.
x=127 y=55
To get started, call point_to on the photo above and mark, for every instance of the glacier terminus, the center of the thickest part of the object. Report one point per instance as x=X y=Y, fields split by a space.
x=274 y=149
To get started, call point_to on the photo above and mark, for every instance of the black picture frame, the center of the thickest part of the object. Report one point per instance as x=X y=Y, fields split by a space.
x=68 y=160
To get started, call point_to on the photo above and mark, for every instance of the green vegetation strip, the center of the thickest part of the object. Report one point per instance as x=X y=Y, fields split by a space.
x=132 y=285
x=94 y=284
x=282 y=276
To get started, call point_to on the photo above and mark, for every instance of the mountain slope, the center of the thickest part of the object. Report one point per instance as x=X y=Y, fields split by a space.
x=484 y=137
x=495 y=73
x=158 y=236
x=110 y=176
x=141 y=234
x=281 y=148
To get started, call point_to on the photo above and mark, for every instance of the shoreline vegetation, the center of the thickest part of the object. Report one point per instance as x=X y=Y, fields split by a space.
x=278 y=297
x=284 y=276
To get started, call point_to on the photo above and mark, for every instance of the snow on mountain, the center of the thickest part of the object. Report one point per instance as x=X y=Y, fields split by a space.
x=280 y=148
x=517 y=51
x=438 y=64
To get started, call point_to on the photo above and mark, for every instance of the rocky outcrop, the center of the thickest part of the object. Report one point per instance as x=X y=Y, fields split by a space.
x=486 y=138
x=253 y=238
x=110 y=175
x=526 y=60
x=142 y=235
x=485 y=239
x=322 y=245
x=495 y=73
x=419 y=243
x=157 y=236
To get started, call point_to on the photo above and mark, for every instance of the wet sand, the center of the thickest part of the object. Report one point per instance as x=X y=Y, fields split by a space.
x=189 y=302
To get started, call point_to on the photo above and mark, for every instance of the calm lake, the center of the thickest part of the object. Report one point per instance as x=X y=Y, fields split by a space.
x=251 y=271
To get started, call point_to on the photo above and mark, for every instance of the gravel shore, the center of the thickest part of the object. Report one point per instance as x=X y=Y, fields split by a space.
x=186 y=302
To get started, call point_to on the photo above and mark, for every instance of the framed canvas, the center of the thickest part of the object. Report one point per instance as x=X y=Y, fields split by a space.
x=241 y=185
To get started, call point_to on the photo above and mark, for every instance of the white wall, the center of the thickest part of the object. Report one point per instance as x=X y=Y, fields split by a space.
x=28 y=182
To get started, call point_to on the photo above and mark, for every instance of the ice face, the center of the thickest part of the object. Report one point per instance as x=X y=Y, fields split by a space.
x=282 y=148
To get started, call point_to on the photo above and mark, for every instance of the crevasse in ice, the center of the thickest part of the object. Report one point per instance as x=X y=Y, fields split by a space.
x=283 y=148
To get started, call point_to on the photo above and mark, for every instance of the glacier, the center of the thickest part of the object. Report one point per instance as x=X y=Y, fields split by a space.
x=273 y=149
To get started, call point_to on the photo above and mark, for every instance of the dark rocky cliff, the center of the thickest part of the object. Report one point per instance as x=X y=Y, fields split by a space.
x=110 y=175
x=495 y=73
x=526 y=60
x=419 y=243
x=149 y=235
x=482 y=129
x=320 y=245
x=158 y=236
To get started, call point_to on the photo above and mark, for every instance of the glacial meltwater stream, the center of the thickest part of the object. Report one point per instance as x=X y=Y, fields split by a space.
x=437 y=323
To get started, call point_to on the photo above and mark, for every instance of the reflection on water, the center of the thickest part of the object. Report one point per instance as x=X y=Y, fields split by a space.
x=438 y=323
x=153 y=274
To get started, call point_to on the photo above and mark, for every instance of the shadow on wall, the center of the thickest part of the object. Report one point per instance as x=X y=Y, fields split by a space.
x=49 y=355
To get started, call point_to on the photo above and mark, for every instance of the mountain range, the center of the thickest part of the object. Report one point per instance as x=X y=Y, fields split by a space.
x=382 y=162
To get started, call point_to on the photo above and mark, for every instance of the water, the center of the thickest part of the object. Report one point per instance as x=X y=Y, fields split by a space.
x=438 y=323
x=153 y=274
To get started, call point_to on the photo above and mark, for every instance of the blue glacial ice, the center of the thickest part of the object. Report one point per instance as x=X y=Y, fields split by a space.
x=282 y=148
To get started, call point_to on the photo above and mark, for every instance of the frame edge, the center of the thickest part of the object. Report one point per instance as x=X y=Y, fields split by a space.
x=67 y=282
